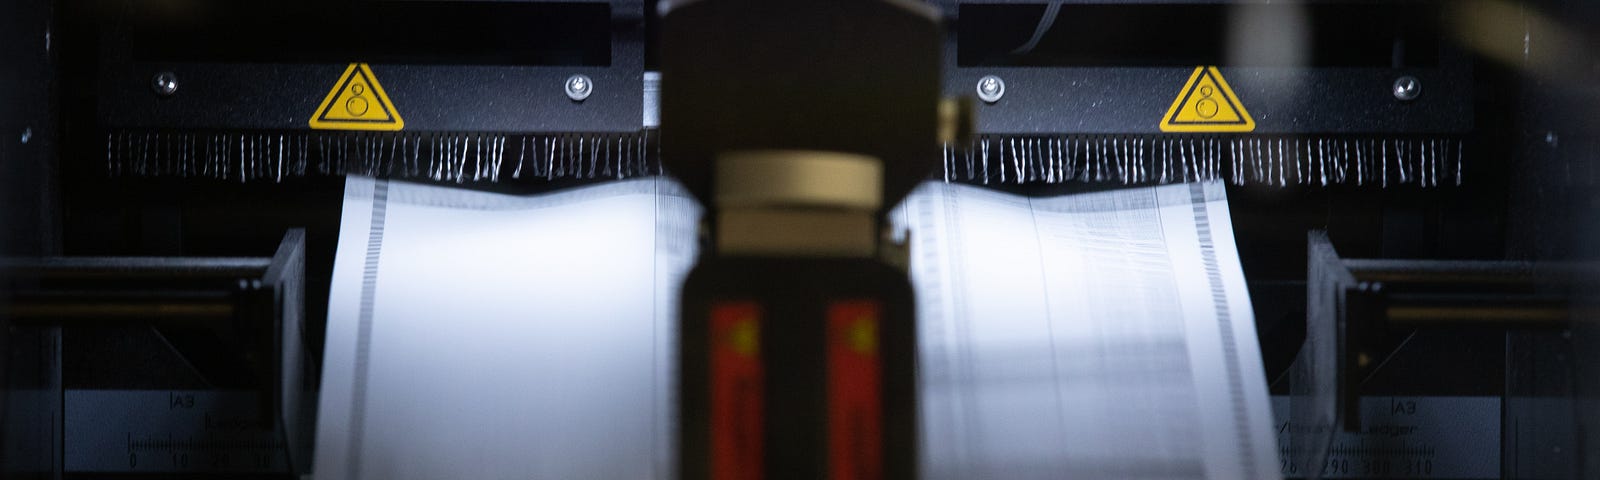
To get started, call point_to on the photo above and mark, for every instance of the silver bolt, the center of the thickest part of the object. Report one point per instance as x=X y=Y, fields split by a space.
x=27 y=134
x=165 y=84
x=991 y=88
x=579 y=87
x=1407 y=88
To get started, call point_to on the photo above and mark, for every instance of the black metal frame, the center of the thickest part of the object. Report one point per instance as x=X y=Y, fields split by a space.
x=1123 y=101
x=440 y=98
x=1357 y=310
x=259 y=300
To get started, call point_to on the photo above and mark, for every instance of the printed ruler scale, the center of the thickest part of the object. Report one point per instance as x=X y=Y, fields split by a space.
x=162 y=431
x=1408 y=437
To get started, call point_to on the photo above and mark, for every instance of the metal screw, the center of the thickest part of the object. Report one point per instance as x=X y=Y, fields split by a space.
x=27 y=134
x=579 y=87
x=1407 y=88
x=165 y=84
x=991 y=88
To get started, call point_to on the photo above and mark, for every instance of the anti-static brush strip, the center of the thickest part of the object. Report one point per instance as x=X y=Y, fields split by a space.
x=989 y=159
x=440 y=157
x=1242 y=160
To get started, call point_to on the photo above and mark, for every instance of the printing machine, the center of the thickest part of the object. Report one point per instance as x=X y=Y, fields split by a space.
x=1413 y=189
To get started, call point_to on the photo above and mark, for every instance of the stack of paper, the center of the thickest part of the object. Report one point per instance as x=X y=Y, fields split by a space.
x=484 y=336
x=477 y=335
x=1098 y=335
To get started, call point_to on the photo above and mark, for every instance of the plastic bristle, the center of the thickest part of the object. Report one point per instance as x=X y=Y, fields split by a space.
x=435 y=156
x=1240 y=160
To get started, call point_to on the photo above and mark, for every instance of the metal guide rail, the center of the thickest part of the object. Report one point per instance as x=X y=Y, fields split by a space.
x=170 y=364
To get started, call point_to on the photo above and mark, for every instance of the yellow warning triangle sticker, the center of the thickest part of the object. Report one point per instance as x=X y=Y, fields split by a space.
x=1207 y=104
x=357 y=102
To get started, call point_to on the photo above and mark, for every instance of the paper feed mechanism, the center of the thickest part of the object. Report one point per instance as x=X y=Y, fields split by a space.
x=1411 y=186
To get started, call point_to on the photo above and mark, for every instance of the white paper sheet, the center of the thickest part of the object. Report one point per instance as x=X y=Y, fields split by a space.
x=484 y=336
x=1098 y=335
x=476 y=335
